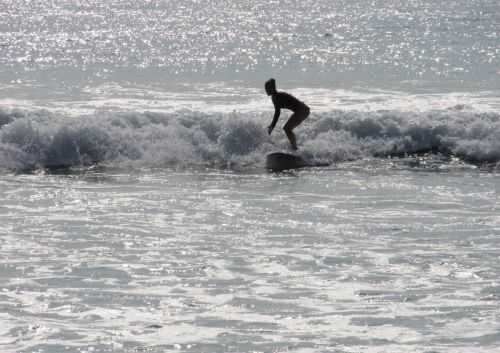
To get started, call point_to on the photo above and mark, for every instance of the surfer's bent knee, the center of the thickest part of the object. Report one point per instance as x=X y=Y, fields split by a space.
x=307 y=111
x=297 y=118
x=303 y=113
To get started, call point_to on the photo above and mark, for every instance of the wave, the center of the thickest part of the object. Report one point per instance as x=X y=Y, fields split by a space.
x=32 y=139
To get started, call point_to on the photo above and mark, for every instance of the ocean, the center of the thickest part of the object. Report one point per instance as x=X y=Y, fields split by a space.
x=137 y=213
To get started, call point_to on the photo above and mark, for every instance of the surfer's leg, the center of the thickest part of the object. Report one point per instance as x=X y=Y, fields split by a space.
x=292 y=138
x=292 y=123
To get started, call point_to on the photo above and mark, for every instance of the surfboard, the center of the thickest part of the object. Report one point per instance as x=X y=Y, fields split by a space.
x=284 y=161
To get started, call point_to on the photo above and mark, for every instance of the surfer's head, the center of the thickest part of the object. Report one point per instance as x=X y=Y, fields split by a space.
x=270 y=87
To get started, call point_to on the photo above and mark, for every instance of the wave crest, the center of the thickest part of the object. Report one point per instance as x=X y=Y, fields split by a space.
x=41 y=139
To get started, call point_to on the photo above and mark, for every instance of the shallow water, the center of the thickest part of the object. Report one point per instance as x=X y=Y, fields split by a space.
x=373 y=256
x=136 y=213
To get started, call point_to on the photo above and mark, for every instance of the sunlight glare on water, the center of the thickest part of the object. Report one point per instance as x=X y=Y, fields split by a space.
x=137 y=213
x=342 y=42
x=341 y=259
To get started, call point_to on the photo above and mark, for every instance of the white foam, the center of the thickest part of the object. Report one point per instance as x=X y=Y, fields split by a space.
x=31 y=139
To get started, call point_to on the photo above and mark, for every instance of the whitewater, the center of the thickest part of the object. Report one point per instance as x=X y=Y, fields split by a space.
x=131 y=140
x=137 y=213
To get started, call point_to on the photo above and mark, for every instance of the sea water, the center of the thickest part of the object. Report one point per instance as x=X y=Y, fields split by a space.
x=136 y=213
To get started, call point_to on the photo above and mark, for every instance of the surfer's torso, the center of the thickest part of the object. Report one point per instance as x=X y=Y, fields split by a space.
x=283 y=100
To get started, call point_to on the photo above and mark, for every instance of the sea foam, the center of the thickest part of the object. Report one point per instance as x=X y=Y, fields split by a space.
x=32 y=139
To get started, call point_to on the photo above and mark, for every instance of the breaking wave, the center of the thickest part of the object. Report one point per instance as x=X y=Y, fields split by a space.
x=41 y=139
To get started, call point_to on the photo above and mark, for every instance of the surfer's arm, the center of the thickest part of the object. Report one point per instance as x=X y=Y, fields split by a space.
x=270 y=128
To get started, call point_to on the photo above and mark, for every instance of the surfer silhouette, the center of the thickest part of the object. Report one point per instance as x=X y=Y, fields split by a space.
x=283 y=100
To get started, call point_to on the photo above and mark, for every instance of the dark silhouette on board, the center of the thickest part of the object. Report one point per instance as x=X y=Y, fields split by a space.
x=283 y=100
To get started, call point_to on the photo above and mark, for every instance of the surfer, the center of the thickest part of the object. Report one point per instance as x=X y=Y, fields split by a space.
x=286 y=101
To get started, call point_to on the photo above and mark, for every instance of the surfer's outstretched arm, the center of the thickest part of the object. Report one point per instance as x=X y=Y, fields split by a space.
x=270 y=128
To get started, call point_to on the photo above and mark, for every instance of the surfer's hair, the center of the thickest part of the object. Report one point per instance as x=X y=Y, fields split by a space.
x=270 y=85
